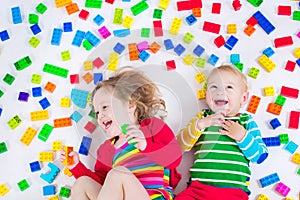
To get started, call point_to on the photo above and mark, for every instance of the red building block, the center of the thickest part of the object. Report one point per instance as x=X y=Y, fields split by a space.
x=294 y=119
x=74 y=78
x=98 y=62
x=252 y=21
x=289 y=92
x=171 y=65
x=84 y=14
x=236 y=4
x=274 y=108
x=211 y=27
x=219 y=41
x=110 y=1
x=284 y=10
x=216 y=8
x=158 y=31
x=90 y=127
x=253 y=105
x=290 y=66
x=188 y=5
x=283 y=41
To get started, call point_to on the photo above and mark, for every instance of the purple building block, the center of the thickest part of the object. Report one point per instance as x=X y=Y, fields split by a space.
x=23 y=96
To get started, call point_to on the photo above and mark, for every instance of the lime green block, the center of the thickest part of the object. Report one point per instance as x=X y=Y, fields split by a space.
x=118 y=16
x=36 y=78
x=240 y=66
x=280 y=100
x=58 y=71
x=65 y=55
x=14 y=122
x=139 y=7
x=87 y=45
x=41 y=8
x=93 y=3
x=200 y=62
x=284 y=138
x=188 y=38
x=34 y=42
x=33 y=19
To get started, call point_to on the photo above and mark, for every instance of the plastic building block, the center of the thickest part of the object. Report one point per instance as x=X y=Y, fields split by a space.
x=139 y=7
x=198 y=51
x=168 y=44
x=252 y=21
x=36 y=78
x=39 y=115
x=157 y=13
x=98 y=19
x=128 y=21
x=133 y=51
x=28 y=136
x=272 y=141
x=216 y=8
x=234 y=58
x=291 y=147
x=90 y=127
x=283 y=41
x=87 y=65
x=290 y=66
x=61 y=3
x=275 y=123
x=200 y=62
x=50 y=87
x=289 y=92
x=118 y=16
x=269 y=91
x=297 y=53
x=93 y=3
x=282 y=189
x=74 y=78
x=211 y=27
x=280 y=100
x=98 y=77
x=16 y=15
x=263 y=22
x=200 y=77
x=266 y=63
x=296 y=15
x=268 y=52
x=142 y=46
x=23 y=63
x=201 y=94
x=119 y=48
x=46 y=156
x=3 y=190
x=191 y=19
x=121 y=32
x=62 y=122
x=144 y=55
x=231 y=42
x=255 y=3
x=4 y=35
x=164 y=4
x=219 y=41
x=3 y=147
x=196 y=12
x=65 y=102
x=88 y=77
x=35 y=166
x=145 y=32
x=23 y=185
x=236 y=4
x=58 y=71
x=76 y=116
x=34 y=42
x=1 y=93
x=65 y=192
x=45 y=132
x=262 y=197
x=89 y=36
x=35 y=29
x=213 y=59
x=113 y=61
x=189 y=59
x=67 y=27
x=44 y=103
x=72 y=8
x=296 y=158
x=0 y=111
x=49 y=190
x=85 y=145
x=179 y=49
x=158 y=31
x=175 y=26
x=269 y=180
x=84 y=14
x=67 y=172
x=154 y=47
x=249 y=30
x=104 y=32
x=284 y=138
x=41 y=8
x=239 y=66
x=188 y=5
x=50 y=176
x=14 y=122
x=69 y=159
x=53 y=198
x=170 y=65
x=56 y=36
x=253 y=105
x=65 y=55
x=231 y=28
x=274 y=108
x=33 y=19
x=294 y=120
x=98 y=62
x=9 y=79
x=57 y=145
x=78 y=38
x=188 y=38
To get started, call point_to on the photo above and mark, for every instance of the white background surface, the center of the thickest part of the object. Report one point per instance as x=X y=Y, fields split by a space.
x=178 y=87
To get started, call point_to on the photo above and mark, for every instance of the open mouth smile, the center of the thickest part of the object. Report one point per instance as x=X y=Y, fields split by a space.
x=221 y=102
x=107 y=123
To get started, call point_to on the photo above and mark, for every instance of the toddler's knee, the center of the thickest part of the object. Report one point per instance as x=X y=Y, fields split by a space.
x=119 y=172
x=79 y=184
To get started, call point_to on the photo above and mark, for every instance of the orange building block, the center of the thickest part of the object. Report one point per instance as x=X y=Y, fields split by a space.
x=28 y=136
x=50 y=87
x=62 y=122
x=69 y=159
x=253 y=105
x=133 y=51
x=249 y=30
x=274 y=108
x=88 y=77
x=72 y=8
x=154 y=47
x=196 y=12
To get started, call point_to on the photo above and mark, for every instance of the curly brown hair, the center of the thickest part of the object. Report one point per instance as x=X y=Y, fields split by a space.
x=130 y=85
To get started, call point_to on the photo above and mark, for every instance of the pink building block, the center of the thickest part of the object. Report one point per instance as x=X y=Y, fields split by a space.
x=142 y=46
x=104 y=32
x=98 y=62
x=282 y=189
x=90 y=127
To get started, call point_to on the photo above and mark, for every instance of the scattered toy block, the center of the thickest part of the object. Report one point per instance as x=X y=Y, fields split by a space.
x=62 y=122
x=253 y=105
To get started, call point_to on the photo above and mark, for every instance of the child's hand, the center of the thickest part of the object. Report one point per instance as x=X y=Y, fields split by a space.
x=136 y=136
x=75 y=158
x=214 y=119
x=234 y=130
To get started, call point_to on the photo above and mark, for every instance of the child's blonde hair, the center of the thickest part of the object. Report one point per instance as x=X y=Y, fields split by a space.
x=133 y=86
x=235 y=71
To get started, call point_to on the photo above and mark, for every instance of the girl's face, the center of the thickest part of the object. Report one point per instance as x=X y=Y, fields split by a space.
x=111 y=112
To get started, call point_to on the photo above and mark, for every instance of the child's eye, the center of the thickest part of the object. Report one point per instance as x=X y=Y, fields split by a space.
x=97 y=113
x=104 y=107
x=213 y=86
x=229 y=87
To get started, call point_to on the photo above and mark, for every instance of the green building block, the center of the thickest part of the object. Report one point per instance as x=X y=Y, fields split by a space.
x=298 y=172
x=255 y=3
x=23 y=185
x=284 y=138
x=145 y=32
x=64 y=192
x=3 y=147
x=240 y=66
x=9 y=79
x=92 y=114
x=41 y=8
x=200 y=62
x=33 y=19
x=280 y=100
x=36 y=78
x=58 y=71
x=188 y=38
x=139 y=7
x=65 y=55
x=87 y=45
x=157 y=13
x=93 y=3
x=1 y=93
x=34 y=42
x=118 y=16
x=296 y=15
x=253 y=72
x=14 y=122
x=45 y=132
x=23 y=63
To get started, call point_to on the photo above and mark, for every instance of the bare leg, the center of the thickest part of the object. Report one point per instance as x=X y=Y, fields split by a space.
x=85 y=188
x=121 y=184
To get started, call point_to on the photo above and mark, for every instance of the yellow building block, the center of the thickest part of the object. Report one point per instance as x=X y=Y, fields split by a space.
x=262 y=197
x=164 y=4
x=28 y=136
x=46 y=157
x=69 y=159
x=201 y=94
x=297 y=52
x=296 y=158
x=3 y=190
x=113 y=61
x=231 y=28
x=288 y=198
x=53 y=198
x=39 y=115
x=56 y=145
x=266 y=63
x=175 y=26
x=88 y=65
x=200 y=77
x=269 y=91
x=61 y=3
x=68 y=172
x=127 y=22
x=65 y=102
x=189 y=59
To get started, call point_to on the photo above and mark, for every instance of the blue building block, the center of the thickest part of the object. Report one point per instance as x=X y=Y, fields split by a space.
x=119 y=48
x=144 y=55
x=16 y=15
x=97 y=78
x=269 y=180
x=23 y=96
x=275 y=123
x=44 y=103
x=268 y=52
x=168 y=44
x=35 y=28
x=272 y=141
x=191 y=19
x=68 y=27
x=76 y=116
x=213 y=59
x=4 y=35
x=1 y=111
x=298 y=62
x=179 y=49
x=231 y=42
x=79 y=97
x=56 y=36
x=92 y=38
x=234 y=58
x=291 y=147
x=35 y=166
x=198 y=51
x=36 y=92
x=85 y=145
x=79 y=36
x=263 y=22
x=121 y=32
x=50 y=176
x=49 y=190
x=98 y=19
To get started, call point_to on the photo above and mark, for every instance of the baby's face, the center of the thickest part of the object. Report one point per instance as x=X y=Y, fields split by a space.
x=225 y=93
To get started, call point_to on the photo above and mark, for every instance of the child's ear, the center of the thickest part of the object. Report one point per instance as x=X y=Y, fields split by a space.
x=245 y=98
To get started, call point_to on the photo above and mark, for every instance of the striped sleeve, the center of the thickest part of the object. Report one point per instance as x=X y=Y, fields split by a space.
x=189 y=135
x=252 y=145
